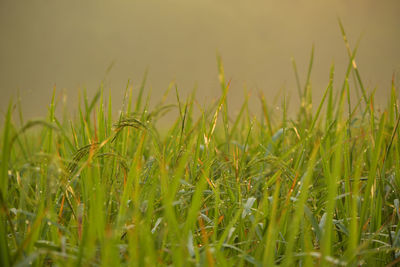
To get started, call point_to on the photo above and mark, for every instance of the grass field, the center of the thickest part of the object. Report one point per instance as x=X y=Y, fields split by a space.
x=320 y=188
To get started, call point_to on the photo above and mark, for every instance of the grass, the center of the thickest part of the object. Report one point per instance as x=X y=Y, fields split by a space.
x=321 y=189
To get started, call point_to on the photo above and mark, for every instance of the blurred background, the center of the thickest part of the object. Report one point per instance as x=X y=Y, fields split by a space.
x=71 y=44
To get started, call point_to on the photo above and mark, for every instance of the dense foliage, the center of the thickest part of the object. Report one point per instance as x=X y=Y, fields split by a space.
x=322 y=188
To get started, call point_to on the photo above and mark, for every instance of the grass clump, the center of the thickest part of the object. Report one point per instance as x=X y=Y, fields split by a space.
x=322 y=189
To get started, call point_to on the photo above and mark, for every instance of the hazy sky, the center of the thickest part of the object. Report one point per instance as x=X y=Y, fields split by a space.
x=70 y=44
